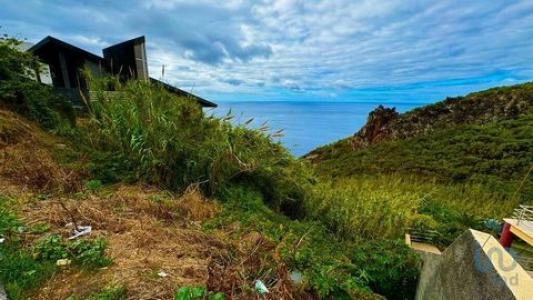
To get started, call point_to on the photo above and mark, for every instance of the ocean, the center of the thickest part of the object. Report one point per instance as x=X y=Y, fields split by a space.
x=306 y=125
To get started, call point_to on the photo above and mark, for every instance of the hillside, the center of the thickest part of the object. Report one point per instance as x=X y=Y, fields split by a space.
x=146 y=241
x=185 y=206
x=484 y=137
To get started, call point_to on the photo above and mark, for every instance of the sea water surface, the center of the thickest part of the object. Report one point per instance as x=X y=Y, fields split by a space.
x=306 y=125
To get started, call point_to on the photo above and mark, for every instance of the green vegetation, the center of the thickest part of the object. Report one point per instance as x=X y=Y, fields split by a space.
x=109 y=293
x=20 y=93
x=332 y=266
x=196 y=293
x=19 y=272
x=387 y=206
x=86 y=253
x=341 y=230
x=497 y=155
x=169 y=142
x=24 y=267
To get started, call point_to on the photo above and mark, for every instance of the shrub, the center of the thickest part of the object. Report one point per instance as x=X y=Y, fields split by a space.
x=20 y=273
x=306 y=246
x=358 y=208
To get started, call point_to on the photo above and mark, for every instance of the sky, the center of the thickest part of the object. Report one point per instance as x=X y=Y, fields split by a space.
x=287 y=50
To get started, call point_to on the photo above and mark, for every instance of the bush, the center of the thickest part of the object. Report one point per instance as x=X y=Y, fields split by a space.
x=93 y=185
x=20 y=273
x=329 y=266
x=363 y=208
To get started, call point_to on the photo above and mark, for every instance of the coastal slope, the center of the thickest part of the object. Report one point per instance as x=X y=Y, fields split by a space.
x=485 y=137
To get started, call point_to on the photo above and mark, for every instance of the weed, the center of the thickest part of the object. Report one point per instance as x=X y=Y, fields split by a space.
x=18 y=270
x=196 y=293
x=86 y=253
x=325 y=262
x=93 y=185
x=109 y=293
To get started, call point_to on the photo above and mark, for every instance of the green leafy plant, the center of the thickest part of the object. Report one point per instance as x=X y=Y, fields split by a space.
x=196 y=293
x=93 y=185
x=19 y=272
x=87 y=253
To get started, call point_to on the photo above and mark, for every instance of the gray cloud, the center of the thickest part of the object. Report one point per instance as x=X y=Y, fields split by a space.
x=292 y=46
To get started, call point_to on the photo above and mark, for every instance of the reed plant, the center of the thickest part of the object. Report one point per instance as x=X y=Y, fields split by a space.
x=169 y=141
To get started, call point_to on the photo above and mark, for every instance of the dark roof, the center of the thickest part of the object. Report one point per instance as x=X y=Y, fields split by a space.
x=182 y=93
x=50 y=40
x=128 y=42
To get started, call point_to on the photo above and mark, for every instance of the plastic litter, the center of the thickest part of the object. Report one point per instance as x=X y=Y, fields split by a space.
x=80 y=231
x=63 y=262
x=2 y=240
x=296 y=277
x=162 y=274
x=260 y=287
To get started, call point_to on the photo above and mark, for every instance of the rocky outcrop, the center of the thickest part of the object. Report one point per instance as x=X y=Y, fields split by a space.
x=481 y=107
x=378 y=126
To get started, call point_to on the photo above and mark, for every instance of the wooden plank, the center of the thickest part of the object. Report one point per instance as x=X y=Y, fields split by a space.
x=522 y=229
x=522 y=235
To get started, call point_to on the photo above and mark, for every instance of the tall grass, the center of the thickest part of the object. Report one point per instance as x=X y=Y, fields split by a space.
x=167 y=140
x=386 y=206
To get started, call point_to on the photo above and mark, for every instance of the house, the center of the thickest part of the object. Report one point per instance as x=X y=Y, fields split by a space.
x=126 y=59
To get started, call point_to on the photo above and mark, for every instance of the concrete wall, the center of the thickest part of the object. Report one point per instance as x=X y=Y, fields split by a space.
x=475 y=266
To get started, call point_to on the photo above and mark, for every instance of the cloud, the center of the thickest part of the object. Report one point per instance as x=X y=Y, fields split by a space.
x=288 y=48
x=233 y=81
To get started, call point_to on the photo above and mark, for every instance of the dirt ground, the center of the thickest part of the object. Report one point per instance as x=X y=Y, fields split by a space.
x=155 y=237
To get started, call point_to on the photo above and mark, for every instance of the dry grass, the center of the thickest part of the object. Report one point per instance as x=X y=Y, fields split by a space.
x=255 y=258
x=14 y=129
x=146 y=236
x=150 y=231
x=34 y=168
x=26 y=157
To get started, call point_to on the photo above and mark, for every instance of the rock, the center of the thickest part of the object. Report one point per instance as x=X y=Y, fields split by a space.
x=377 y=126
